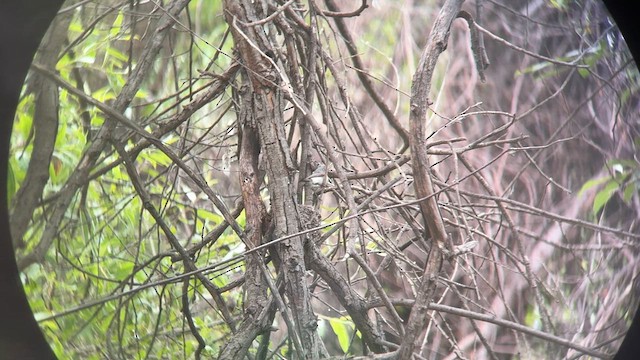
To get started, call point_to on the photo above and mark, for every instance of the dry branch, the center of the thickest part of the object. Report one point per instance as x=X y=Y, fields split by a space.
x=420 y=164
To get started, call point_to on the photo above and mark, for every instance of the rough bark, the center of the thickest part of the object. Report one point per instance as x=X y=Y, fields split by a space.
x=267 y=106
x=255 y=209
x=258 y=309
x=283 y=208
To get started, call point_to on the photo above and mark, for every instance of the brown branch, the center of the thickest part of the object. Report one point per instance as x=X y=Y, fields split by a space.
x=248 y=330
x=186 y=311
x=356 y=12
x=278 y=10
x=254 y=58
x=570 y=118
x=479 y=54
x=574 y=63
x=214 y=234
x=250 y=178
x=349 y=299
x=309 y=89
x=474 y=325
x=420 y=164
x=354 y=232
x=534 y=210
x=354 y=114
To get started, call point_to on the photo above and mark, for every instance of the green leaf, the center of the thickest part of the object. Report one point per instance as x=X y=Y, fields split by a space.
x=584 y=73
x=208 y=215
x=117 y=25
x=604 y=196
x=103 y=95
x=592 y=183
x=156 y=157
x=533 y=68
x=342 y=328
x=532 y=317
x=628 y=192
x=122 y=270
x=117 y=54
x=86 y=225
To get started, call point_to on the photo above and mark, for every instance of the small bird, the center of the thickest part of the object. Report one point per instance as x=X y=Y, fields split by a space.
x=319 y=178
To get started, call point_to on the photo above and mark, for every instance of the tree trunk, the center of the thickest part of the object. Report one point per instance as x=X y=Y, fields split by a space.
x=267 y=109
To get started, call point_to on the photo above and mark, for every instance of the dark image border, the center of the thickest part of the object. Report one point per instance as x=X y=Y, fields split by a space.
x=22 y=25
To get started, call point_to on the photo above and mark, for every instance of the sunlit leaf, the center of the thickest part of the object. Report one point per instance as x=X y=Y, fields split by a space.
x=210 y=216
x=158 y=157
x=117 y=25
x=343 y=330
x=592 y=183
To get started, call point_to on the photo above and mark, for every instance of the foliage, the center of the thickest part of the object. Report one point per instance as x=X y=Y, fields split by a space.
x=624 y=179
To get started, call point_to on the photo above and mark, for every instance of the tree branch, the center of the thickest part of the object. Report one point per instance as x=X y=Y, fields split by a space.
x=429 y=209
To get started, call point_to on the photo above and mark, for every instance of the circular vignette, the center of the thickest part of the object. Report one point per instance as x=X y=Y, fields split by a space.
x=620 y=11
x=22 y=26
